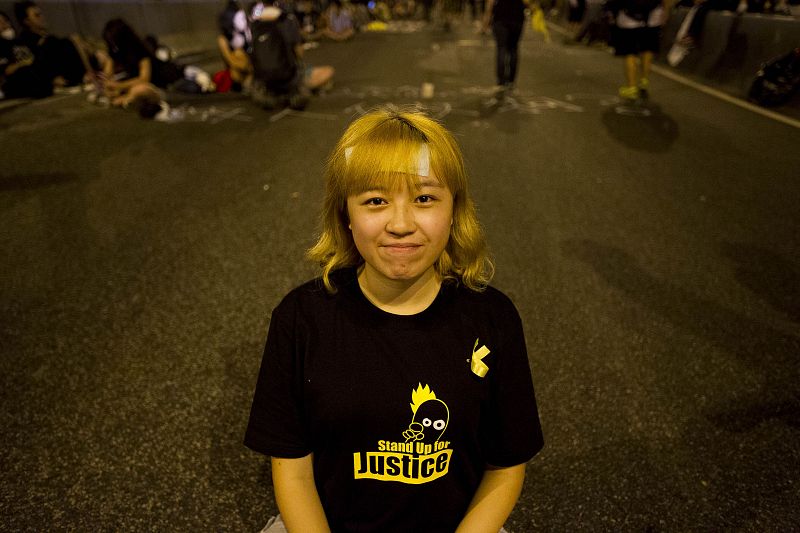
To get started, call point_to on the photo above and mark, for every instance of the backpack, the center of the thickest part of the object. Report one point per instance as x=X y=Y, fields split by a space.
x=274 y=61
x=777 y=80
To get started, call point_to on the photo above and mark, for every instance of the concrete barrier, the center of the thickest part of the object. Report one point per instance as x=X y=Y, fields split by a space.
x=733 y=47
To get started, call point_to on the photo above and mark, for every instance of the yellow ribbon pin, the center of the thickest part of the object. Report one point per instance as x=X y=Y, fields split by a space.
x=479 y=368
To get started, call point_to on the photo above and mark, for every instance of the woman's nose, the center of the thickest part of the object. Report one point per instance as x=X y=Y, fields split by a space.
x=401 y=220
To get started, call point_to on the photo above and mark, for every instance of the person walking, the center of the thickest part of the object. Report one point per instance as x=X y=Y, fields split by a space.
x=635 y=37
x=395 y=392
x=507 y=18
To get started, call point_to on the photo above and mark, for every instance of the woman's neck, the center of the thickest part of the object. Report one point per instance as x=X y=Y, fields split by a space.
x=399 y=297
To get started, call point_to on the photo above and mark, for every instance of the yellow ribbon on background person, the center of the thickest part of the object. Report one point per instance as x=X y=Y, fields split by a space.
x=479 y=368
x=538 y=23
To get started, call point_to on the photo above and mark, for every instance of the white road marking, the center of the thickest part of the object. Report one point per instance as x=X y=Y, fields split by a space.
x=744 y=104
x=667 y=73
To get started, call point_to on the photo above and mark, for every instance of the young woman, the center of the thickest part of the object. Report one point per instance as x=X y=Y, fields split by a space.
x=395 y=392
x=132 y=63
x=234 y=42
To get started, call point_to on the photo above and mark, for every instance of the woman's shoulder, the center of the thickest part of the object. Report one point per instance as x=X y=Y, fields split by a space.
x=490 y=299
x=488 y=294
x=314 y=295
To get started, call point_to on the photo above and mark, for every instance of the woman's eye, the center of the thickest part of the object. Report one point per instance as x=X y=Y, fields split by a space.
x=375 y=201
x=425 y=199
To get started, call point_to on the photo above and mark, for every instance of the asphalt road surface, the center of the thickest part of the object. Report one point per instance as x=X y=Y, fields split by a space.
x=653 y=253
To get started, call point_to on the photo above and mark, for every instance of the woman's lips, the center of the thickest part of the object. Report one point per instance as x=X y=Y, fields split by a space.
x=401 y=249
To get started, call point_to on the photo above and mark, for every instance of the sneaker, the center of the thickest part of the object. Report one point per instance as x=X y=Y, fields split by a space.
x=644 y=87
x=629 y=92
x=298 y=101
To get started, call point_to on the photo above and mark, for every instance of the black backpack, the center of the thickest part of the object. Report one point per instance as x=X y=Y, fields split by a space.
x=274 y=62
x=777 y=80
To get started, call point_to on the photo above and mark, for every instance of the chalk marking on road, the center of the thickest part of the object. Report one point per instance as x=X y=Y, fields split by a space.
x=358 y=109
x=309 y=114
x=552 y=103
x=446 y=109
x=306 y=114
x=726 y=97
x=279 y=115
x=467 y=112
x=602 y=99
x=708 y=90
x=632 y=111
x=226 y=115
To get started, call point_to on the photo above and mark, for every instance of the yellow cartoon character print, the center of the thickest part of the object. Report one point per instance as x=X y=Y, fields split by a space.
x=430 y=416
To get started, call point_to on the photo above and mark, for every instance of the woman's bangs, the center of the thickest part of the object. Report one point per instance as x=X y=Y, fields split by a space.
x=385 y=166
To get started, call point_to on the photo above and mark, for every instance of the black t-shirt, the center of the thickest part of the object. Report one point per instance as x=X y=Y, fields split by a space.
x=7 y=55
x=128 y=59
x=32 y=40
x=509 y=11
x=393 y=407
x=26 y=81
x=13 y=51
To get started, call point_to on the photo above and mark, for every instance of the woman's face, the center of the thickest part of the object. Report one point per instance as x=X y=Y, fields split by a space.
x=401 y=233
x=5 y=24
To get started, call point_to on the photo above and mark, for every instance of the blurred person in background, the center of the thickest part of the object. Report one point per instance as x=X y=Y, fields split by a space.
x=339 y=22
x=132 y=63
x=234 y=42
x=20 y=75
x=66 y=61
x=507 y=18
x=635 y=38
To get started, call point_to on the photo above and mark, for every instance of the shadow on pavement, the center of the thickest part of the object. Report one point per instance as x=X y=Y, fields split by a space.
x=641 y=126
x=768 y=275
x=768 y=353
x=21 y=182
x=238 y=473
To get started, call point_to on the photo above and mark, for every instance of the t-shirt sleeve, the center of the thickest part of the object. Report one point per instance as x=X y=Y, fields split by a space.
x=512 y=433
x=276 y=426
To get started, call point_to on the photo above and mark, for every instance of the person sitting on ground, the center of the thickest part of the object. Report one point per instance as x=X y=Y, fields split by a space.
x=66 y=61
x=132 y=63
x=20 y=75
x=309 y=15
x=234 y=43
x=278 y=70
x=339 y=22
x=395 y=392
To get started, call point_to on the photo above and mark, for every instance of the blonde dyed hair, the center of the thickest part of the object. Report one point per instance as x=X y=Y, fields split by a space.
x=382 y=150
